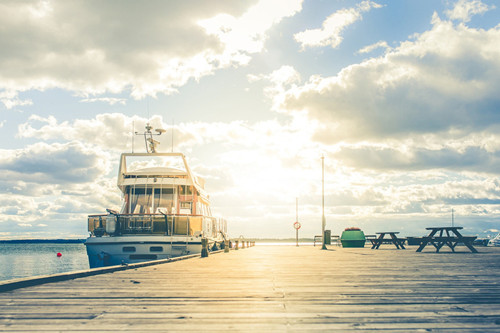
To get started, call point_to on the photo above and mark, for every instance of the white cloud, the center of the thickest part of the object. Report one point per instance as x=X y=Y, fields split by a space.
x=92 y=48
x=465 y=9
x=247 y=32
x=471 y=159
x=370 y=48
x=331 y=31
x=42 y=163
x=107 y=100
x=11 y=99
x=443 y=80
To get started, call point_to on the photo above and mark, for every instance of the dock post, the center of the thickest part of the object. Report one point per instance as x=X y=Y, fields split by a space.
x=204 y=247
x=236 y=244
x=242 y=244
x=226 y=246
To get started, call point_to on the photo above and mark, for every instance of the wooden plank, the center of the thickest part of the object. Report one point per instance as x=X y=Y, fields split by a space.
x=274 y=289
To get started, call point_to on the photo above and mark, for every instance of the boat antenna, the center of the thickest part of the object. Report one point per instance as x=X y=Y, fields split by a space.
x=173 y=127
x=133 y=131
x=148 y=138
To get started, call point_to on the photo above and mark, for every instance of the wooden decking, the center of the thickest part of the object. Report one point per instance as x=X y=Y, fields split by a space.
x=275 y=289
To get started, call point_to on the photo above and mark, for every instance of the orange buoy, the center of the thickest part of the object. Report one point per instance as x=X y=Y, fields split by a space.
x=59 y=254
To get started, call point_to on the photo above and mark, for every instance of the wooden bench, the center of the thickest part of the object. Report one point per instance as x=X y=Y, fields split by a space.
x=335 y=239
x=449 y=236
x=398 y=242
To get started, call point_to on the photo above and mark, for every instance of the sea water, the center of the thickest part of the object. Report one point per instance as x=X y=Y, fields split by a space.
x=34 y=259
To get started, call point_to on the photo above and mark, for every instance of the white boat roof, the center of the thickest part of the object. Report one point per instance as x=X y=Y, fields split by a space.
x=158 y=171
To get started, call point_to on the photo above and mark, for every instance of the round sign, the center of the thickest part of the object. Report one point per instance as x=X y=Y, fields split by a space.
x=296 y=225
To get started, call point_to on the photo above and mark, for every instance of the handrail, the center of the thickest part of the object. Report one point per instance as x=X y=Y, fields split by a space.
x=167 y=224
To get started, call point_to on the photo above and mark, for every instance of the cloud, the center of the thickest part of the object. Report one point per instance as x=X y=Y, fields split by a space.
x=465 y=9
x=331 y=32
x=43 y=163
x=109 y=131
x=472 y=159
x=370 y=48
x=107 y=100
x=11 y=99
x=443 y=80
x=92 y=48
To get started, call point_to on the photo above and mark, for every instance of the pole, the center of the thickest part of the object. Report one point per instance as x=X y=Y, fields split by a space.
x=323 y=220
x=452 y=218
x=297 y=220
x=173 y=128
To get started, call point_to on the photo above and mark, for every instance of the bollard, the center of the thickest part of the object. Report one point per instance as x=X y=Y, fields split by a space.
x=236 y=244
x=226 y=246
x=204 y=247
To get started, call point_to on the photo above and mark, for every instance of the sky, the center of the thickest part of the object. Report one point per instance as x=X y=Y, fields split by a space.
x=399 y=97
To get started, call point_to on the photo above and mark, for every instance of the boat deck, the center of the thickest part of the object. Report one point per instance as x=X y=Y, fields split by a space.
x=276 y=289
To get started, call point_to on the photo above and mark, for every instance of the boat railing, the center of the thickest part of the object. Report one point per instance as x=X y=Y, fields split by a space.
x=130 y=224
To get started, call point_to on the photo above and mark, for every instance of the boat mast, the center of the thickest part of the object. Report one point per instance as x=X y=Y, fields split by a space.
x=148 y=138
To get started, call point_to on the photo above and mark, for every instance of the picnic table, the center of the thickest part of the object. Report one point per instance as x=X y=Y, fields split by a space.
x=446 y=237
x=394 y=239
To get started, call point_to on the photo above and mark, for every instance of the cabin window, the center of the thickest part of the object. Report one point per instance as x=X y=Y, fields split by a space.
x=185 y=208
x=150 y=200
x=156 y=249
x=128 y=249
x=185 y=190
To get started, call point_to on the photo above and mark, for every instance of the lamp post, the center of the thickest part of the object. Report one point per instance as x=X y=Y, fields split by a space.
x=297 y=220
x=323 y=220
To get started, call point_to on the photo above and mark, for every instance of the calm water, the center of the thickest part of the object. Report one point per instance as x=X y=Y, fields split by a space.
x=25 y=260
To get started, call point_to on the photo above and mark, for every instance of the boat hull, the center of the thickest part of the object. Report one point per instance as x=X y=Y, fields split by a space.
x=110 y=251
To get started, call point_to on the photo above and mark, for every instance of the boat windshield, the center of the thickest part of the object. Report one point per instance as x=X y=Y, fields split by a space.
x=136 y=163
x=150 y=200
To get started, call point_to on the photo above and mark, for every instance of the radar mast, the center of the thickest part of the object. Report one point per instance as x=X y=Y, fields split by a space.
x=148 y=138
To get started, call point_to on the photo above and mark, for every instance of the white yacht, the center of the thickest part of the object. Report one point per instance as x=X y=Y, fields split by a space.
x=495 y=241
x=165 y=211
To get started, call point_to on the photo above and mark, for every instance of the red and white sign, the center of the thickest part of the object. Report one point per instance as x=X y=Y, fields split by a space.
x=297 y=225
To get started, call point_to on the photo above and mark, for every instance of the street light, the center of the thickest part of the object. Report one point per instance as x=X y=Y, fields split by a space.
x=323 y=220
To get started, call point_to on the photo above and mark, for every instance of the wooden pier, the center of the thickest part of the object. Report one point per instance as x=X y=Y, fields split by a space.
x=274 y=289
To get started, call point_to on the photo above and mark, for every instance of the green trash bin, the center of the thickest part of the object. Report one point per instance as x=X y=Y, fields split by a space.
x=353 y=237
x=328 y=237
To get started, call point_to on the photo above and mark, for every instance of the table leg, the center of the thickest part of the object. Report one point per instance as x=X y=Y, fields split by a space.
x=396 y=242
x=426 y=240
x=379 y=240
x=466 y=243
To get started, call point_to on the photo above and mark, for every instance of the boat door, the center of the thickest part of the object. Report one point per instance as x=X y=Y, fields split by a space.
x=165 y=197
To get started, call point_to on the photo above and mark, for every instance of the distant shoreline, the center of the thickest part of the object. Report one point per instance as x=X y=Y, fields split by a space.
x=44 y=241
x=78 y=241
